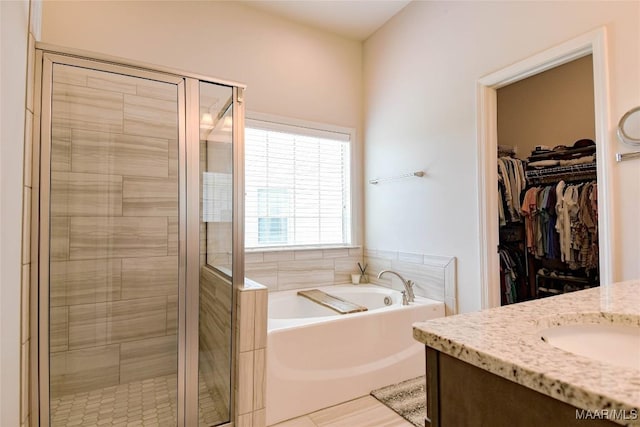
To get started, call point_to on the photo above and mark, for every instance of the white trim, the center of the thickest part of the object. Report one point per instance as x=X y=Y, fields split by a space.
x=593 y=43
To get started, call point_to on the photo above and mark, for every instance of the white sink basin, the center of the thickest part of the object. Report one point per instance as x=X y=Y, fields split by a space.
x=615 y=344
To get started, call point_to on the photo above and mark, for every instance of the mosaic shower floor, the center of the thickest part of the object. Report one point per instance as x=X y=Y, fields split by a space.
x=147 y=403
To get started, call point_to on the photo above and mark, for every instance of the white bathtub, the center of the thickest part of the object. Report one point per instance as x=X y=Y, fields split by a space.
x=318 y=358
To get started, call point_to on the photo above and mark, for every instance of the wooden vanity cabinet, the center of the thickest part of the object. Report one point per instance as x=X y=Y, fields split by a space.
x=460 y=394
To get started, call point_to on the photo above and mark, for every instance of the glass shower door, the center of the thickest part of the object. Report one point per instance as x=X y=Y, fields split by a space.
x=216 y=250
x=113 y=246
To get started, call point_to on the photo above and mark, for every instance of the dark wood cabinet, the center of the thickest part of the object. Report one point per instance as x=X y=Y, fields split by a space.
x=463 y=395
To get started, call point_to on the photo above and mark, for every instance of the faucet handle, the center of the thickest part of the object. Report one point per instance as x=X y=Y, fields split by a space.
x=411 y=295
x=405 y=300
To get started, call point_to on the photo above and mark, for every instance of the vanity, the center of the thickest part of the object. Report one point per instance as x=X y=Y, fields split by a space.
x=568 y=360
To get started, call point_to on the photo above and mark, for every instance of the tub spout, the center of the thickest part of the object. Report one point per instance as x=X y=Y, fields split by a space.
x=408 y=284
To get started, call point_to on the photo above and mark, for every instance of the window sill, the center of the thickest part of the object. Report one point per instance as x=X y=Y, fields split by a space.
x=300 y=248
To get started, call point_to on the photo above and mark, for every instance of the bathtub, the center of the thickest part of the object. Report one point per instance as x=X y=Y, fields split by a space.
x=317 y=358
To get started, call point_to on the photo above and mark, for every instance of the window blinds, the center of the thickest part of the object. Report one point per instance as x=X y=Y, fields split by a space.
x=297 y=183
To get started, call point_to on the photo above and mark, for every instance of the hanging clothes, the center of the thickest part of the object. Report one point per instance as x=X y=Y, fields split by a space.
x=561 y=222
x=512 y=267
x=511 y=183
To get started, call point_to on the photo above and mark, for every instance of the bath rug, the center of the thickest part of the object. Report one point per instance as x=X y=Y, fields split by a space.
x=408 y=399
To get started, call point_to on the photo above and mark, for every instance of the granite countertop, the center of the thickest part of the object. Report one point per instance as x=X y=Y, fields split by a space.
x=506 y=341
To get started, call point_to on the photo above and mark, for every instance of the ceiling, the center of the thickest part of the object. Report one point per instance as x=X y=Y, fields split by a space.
x=355 y=19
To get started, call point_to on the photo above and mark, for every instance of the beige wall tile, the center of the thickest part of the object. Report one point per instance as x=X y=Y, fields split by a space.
x=260 y=331
x=150 y=197
x=294 y=274
x=265 y=273
x=278 y=256
x=121 y=321
x=111 y=81
x=88 y=325
x=173 y=158
x=244 y=402
x=246 y=319
x=335 y=253
x=31 y=61
x=356 y=252
x=60 y=149
x=429 y=280
x=58 y=329
x=253 y=257
x=219 y=238
x=410 y=257
x=24 y=381
x=375 y=266
x=172 y=235
x=85 y=194
x=259 y=379
x=70 y=75
x=28 y=145
x=25 y=302
x=260 y=418
x=172 y=314
x=148 y=358
x=99 y=237
x=117 y=154
x=59 y=244
x=346 y=266
x=86 y=108
x=138 y=319
x=308 y=254
x=245 y=420
x=151 y=116
x=146 y=277
x=84 y=370
x=85 y=281
x=155 y=89
x=26 y=225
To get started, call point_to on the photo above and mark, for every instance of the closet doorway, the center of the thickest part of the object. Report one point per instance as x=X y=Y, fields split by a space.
x=579 y=49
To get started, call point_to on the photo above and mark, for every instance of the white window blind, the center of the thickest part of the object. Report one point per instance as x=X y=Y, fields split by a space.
x=297 y=183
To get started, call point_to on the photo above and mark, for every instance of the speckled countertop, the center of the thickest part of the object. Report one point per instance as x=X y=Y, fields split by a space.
x=506 y=341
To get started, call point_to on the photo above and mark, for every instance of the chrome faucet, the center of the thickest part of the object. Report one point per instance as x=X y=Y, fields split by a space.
x=408 y=285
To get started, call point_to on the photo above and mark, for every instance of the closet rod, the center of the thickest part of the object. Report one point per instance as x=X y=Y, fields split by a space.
x=391 y=178
x=627 y=156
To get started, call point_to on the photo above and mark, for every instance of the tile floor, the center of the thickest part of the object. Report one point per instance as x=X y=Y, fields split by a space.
x=152 y=402
x=362 y=412
x=146 y=403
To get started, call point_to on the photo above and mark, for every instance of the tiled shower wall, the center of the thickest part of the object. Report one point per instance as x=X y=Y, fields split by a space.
x=114 y=200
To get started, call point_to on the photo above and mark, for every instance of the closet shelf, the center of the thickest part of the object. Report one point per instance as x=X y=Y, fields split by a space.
x=582 y=171
x=564 y=154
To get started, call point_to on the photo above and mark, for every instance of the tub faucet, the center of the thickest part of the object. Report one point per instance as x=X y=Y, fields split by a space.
x=408 y=284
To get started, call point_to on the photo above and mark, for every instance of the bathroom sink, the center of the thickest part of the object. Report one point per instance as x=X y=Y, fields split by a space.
x=616 y=344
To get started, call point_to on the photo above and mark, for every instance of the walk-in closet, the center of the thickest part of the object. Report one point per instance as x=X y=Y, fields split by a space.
x=547 y=184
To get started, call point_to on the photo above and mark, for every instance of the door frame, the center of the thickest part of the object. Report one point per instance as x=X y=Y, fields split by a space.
x=594 y=43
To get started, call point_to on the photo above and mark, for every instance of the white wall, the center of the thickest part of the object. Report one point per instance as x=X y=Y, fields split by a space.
x=14 y=18
x=421 y=71
x=291 y=70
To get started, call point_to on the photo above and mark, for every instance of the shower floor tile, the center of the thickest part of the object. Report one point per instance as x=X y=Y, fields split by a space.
x=146 y=403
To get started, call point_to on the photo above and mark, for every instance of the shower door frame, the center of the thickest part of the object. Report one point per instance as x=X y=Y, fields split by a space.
x=187 y=85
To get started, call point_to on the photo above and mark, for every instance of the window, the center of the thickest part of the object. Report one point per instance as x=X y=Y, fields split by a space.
x=297 y=183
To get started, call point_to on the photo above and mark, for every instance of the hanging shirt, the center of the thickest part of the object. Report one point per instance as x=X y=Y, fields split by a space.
x=530 y=212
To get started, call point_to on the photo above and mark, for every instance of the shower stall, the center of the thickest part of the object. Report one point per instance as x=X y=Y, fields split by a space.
x=138 y=223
